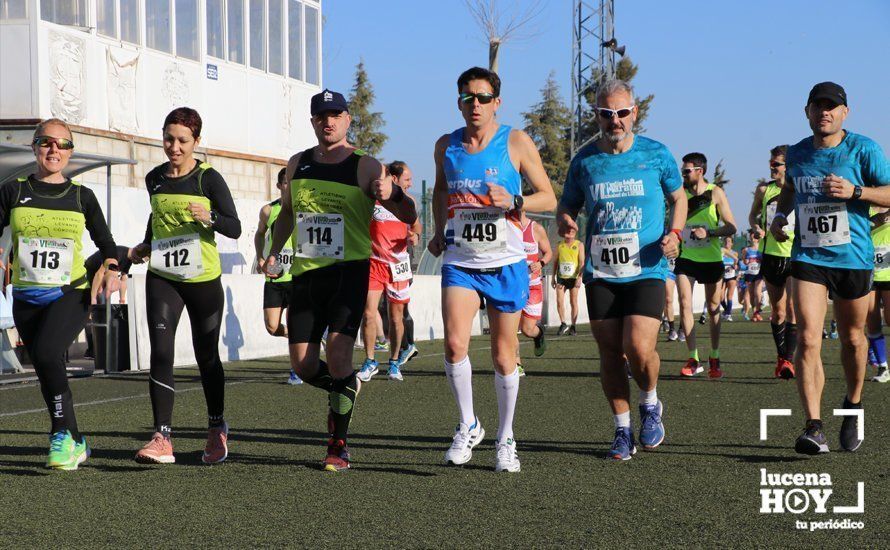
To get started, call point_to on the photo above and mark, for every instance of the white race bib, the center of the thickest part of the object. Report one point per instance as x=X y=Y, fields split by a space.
x=754 y=267
x=401 y=271
x=882 y=257
x=771 y=215
x=285 y=258
x=178 y=256
x=824 y=224
x=480 y=229
x=728 y=271
x=319 y=236
x=45 y=261
x=689 y=242
x=615 y=255
x=566 y=269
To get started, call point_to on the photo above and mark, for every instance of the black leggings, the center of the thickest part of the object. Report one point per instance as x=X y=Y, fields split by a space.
x=204 y=302
x=408 y=337
x=47 y=332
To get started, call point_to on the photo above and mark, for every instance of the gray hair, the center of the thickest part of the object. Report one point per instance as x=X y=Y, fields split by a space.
x=612 y=86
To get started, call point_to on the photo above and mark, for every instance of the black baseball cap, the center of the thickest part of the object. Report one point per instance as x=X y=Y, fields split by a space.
x=830 y=91
x=327 y=100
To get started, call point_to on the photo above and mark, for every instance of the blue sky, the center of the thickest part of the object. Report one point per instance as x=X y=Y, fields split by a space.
x=730 y=78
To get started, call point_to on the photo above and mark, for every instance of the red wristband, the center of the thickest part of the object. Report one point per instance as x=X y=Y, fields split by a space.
x=678 y=232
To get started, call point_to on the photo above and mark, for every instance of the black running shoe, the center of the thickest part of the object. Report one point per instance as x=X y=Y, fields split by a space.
x=540 y=342
x=812 y=441
x=563 y=329
x=850 y=428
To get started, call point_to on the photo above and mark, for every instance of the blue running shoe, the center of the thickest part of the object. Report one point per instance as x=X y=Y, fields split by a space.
x=294 y=380
x=407 y=354
x=394 y=372
x=381 y=346
x=623 y=447
x=652 y=429
x=368 y=370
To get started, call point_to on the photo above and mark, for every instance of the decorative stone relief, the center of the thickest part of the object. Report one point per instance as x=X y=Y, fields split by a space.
x=175 y=85
x=121 y=90
x=66 y=75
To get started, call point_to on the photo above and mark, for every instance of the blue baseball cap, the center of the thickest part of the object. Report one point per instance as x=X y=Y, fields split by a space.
x=328 y=100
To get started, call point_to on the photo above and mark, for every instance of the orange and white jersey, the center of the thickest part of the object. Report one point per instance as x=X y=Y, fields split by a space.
x=532 y=251
x=389 y=236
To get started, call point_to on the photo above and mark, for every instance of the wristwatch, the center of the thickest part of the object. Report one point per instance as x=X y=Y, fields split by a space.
x=113 y=267
x=857 y=192
x=518 y=201
x=213 y=217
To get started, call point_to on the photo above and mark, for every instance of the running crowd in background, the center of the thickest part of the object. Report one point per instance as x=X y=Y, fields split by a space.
x=335 y=250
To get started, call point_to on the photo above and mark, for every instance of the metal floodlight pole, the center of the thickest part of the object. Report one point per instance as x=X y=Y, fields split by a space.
x=593 y=26
x=108 y=301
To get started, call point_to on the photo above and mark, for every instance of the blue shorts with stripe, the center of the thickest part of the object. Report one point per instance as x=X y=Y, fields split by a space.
x=505 y=288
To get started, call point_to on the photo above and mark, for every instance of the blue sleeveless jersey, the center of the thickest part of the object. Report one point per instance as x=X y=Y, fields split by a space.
x=468 y=176
x=624 y=194
x=857 y=159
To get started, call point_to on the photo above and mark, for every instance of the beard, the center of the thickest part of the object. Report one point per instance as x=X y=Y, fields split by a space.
x=615 y=138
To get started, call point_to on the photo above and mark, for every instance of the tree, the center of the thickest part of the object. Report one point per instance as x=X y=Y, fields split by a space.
x=365 y=130
x=548 y=125
x=720 y=179
x=499 y=27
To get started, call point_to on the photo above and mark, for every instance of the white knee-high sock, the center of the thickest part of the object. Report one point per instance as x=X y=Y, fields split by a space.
x=460 y=378
x=507 y=389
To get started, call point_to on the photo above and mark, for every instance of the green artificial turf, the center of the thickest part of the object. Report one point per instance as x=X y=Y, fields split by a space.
x=700 y=488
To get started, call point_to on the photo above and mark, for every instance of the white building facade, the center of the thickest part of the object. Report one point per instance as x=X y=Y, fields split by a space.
x=113 y=69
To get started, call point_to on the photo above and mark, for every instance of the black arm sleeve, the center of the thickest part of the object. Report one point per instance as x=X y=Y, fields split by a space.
x=96 y=225
x=148 y=232
x=8 y=194
x=216 y=189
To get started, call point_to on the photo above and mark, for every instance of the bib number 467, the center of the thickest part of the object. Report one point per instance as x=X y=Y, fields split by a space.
x=822 y=224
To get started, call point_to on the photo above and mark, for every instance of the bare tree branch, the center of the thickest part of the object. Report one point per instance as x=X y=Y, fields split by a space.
x=499 y=26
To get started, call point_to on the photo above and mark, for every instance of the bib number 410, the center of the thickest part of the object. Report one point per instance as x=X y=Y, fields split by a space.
x=613 y=256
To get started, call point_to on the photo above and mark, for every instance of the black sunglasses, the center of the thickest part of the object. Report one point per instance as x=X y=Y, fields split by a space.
x=47 y=141
x=687 y=171
x=776 y=164
x=484 y=97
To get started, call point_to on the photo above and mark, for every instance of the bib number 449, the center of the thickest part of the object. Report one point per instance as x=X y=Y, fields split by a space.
x=480 y=232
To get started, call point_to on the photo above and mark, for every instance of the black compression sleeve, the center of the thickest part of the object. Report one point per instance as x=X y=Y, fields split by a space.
x=216 y=189
x=96 y=225
x=148 y=232
x=8 y=194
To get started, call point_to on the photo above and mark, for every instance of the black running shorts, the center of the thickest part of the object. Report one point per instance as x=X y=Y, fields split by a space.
x=703 y=272
x=616 y=300
x=331 y=297
x=776 y=269
x=276 y=295
x=846 y=284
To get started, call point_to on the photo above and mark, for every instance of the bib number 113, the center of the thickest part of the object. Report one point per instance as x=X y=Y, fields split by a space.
x=44 y=259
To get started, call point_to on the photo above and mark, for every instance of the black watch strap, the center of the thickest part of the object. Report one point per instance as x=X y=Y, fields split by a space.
x=857 y=192
x=518 y=201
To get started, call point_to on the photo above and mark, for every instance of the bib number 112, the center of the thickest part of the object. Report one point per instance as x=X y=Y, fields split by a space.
x=176 y=258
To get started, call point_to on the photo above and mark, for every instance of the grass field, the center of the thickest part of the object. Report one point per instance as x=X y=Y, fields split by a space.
x=700 y=488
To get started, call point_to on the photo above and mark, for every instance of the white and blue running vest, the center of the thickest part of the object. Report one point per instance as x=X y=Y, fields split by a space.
x=479 y=235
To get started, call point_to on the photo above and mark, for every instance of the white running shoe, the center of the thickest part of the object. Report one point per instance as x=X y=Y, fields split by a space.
x=465 y=438
x=883 y=375
x=506 y=459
